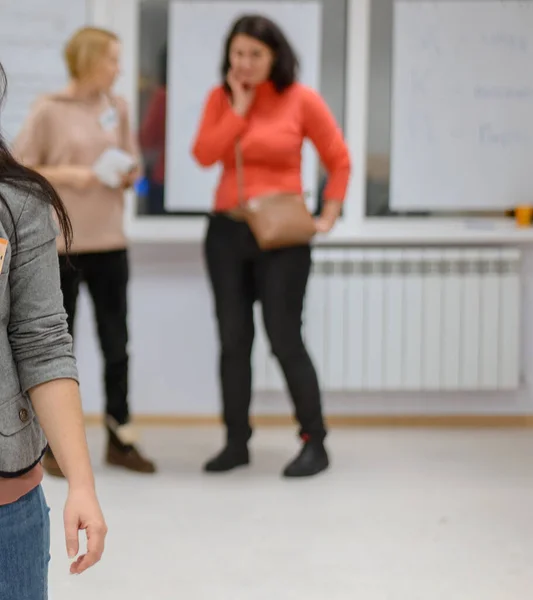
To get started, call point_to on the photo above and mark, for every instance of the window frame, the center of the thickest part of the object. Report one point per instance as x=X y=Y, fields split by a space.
x=355 y=227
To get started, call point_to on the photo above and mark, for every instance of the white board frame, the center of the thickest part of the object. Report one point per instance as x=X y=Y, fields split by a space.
x=355 y=228
x=433 y=123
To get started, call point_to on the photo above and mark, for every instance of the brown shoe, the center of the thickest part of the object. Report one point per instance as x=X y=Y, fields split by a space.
x=129 y=458
x=50 y=465
x=122 y=448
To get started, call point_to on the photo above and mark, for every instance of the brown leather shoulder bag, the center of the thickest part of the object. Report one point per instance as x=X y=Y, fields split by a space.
x=276 y=220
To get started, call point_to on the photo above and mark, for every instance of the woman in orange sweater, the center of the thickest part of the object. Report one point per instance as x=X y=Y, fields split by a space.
x=261 y=104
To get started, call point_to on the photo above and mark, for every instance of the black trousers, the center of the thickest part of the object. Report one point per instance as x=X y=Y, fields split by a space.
x=106 y=275
x=240 y=273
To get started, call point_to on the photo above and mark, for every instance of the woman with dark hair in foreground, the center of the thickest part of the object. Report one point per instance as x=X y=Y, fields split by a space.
x=261 y=105
x=38 y=388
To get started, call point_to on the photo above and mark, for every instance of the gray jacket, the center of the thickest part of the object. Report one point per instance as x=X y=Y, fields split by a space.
x=35 y=346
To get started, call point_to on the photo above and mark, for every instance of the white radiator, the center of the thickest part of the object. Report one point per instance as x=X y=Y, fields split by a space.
x=408 y=319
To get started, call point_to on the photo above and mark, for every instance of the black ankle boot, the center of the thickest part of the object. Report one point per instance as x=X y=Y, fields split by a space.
x=311 y=460
x=231 y=456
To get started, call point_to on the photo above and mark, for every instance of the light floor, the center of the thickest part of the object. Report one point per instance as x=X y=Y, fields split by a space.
x=403 y=515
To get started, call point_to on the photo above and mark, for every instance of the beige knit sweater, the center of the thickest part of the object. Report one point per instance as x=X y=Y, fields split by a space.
x=63 y=131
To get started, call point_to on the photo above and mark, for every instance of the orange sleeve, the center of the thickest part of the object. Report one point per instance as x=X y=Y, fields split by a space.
x=322 y=129
x=219 y=129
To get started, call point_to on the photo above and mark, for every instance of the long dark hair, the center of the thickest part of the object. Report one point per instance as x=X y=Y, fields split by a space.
x=285 y=68
x=28 y=181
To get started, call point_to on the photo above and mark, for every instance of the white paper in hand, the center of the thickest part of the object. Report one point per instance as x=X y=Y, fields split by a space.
x=112 y=165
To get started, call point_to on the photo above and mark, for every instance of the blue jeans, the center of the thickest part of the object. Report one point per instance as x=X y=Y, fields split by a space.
x=25 y=548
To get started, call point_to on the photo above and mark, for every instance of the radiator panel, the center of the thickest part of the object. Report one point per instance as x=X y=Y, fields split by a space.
x=394 y=323
x=433 y=319
x=431 y=322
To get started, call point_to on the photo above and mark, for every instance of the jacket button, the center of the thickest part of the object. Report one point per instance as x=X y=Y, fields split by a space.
x=23 y=415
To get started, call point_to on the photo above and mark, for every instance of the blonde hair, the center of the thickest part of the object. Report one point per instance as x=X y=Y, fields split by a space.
x=85 y=48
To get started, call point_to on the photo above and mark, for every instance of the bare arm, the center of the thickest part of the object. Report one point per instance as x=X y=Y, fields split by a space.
x=58 y=407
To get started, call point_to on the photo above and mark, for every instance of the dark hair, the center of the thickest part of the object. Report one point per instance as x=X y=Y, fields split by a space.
x=28 y=181
x=285 y=68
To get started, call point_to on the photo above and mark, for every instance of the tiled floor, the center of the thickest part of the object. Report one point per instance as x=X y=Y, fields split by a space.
x=402 y=515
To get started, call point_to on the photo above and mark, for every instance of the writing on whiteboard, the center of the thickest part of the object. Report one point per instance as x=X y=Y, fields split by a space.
x=503 y=92
x=462 y=105
x=506 y=138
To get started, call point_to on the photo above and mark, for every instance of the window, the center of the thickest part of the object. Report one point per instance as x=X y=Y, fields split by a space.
x=153 y=17
x=379 y=118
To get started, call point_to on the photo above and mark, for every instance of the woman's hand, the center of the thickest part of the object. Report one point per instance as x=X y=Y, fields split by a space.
x=330 y=214
x=82 y=512
x=324 y=224
x=243 y=96
x=129 y=179
x=58 y=407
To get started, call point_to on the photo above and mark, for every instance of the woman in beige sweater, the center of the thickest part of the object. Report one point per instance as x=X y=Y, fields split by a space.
x=62 y=139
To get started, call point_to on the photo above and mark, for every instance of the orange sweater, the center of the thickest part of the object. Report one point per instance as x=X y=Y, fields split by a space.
x=271 y=137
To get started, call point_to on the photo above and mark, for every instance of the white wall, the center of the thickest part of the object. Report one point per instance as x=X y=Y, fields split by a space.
x=174 y=348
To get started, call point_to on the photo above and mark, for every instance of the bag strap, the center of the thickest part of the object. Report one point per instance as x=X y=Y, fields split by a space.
x=240 y=173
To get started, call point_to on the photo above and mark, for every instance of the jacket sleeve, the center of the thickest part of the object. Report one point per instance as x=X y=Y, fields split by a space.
x=219 y=129
x=322 y=129
x=37 y=329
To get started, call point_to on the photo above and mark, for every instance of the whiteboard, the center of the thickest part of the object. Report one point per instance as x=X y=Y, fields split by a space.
x=32 y=37
x=196 y=36
x=462 y=105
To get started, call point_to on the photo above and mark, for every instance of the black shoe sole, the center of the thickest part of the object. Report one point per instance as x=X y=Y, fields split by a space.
x=303 y=474
x=209 y=469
